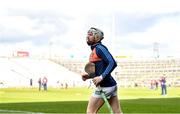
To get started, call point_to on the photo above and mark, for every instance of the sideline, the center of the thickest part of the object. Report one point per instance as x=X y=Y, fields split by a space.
x=17 y=111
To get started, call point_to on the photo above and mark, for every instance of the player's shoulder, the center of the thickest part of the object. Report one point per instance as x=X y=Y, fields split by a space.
x=101 y=47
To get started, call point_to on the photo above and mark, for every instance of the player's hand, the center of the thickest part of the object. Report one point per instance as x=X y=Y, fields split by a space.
x=97 y=80
x=85 y=76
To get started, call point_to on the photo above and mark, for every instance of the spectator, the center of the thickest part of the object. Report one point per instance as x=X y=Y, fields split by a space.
x=31 y=82
x=45 y=83
x=40 y=83
x=62 y=85
x=156 y=83
x=66 y=85
x=163 y=85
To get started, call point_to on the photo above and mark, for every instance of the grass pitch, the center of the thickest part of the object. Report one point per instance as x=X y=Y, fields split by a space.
x=74 y=100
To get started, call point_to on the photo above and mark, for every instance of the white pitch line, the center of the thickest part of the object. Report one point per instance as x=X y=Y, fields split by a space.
x=17 y=111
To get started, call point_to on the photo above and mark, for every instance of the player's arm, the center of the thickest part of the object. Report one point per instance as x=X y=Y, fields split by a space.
x=108 y=58
x=103 y=53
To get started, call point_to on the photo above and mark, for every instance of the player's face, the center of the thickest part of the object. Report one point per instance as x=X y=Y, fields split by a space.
x=90 y=38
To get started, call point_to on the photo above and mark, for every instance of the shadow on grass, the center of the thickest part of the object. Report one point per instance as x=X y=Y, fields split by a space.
x=160 y=105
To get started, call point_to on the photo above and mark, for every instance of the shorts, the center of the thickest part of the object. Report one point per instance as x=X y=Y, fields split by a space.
x=108 y=91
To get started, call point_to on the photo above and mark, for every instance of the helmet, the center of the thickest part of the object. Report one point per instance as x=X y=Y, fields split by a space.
x=97 y=33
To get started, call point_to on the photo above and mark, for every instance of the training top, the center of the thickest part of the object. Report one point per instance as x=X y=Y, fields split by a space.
x=104 y=64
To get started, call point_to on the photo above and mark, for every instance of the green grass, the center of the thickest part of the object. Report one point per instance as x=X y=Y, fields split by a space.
x=74 y=100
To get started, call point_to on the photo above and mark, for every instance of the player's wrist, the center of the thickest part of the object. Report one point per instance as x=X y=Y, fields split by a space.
x=101 y=77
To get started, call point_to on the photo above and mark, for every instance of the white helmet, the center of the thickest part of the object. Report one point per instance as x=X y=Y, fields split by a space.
x=97 y=33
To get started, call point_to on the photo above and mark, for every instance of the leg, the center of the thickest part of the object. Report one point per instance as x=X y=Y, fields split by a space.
x=46 y=87
x=161 y=89
x=94 y=105
x=113 y=101
x=165 y=89
x=39 y=87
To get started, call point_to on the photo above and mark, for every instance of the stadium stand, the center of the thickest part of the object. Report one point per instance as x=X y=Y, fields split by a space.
x=133 y=72
x=130 y=72
x=17 y=72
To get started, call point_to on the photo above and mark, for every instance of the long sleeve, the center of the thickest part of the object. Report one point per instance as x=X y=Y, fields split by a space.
x=108 y=58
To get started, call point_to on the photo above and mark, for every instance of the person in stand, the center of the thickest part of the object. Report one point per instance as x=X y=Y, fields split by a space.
x=104 y=65
x=45 y=83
